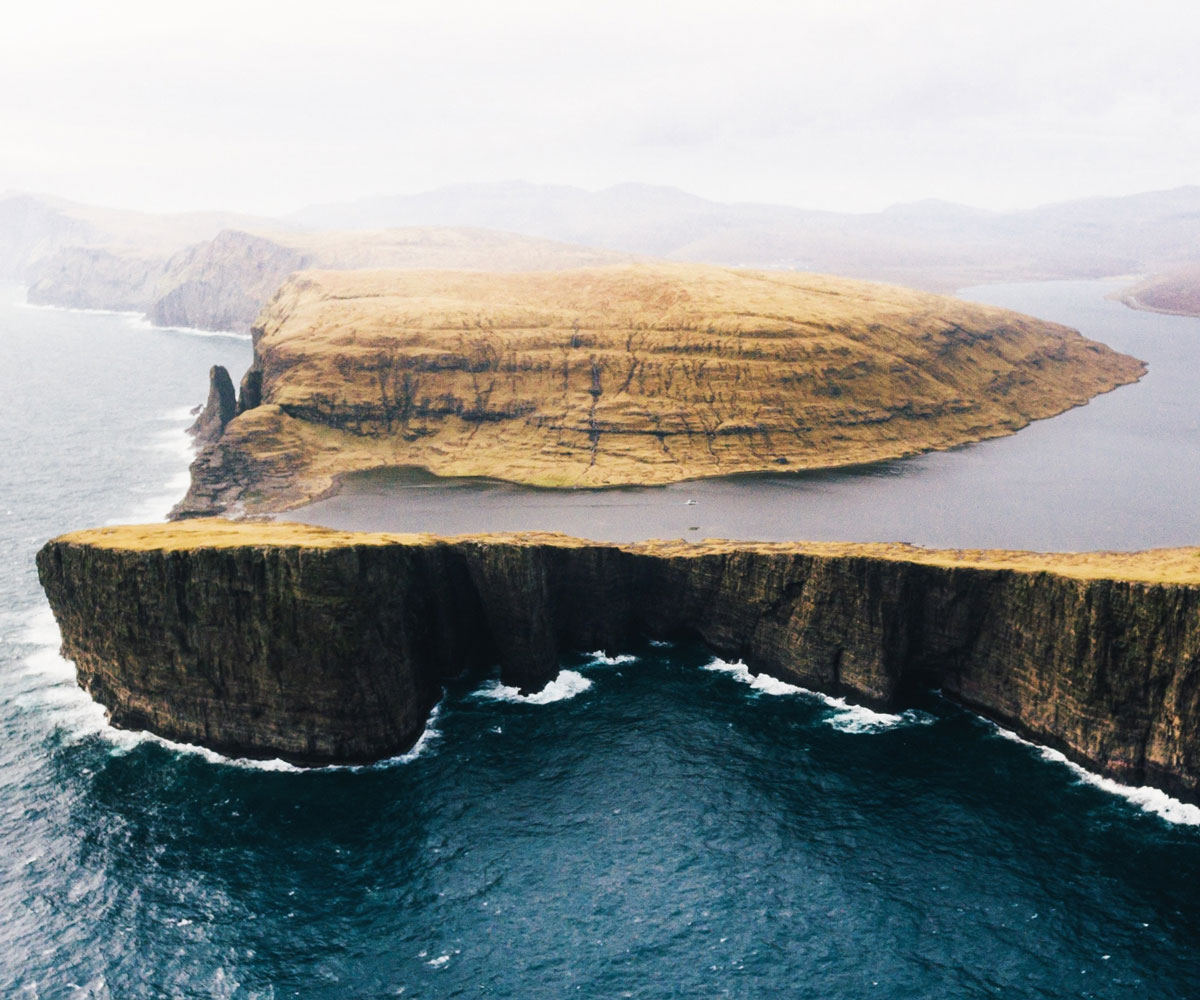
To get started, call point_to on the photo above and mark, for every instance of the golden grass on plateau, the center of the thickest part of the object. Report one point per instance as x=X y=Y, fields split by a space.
x=636 y=374
x=1155 y=566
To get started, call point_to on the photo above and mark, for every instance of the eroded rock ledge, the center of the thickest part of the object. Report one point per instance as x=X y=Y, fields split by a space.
x=320 y=646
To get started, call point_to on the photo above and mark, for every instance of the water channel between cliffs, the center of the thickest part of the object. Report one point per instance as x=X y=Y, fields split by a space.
x=1108 y=475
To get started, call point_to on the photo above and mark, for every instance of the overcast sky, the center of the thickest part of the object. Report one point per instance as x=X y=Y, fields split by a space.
x=851 y=105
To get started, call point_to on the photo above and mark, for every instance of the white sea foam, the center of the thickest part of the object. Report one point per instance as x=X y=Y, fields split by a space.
x=50 y=307
x=566 y=685
x=180 y=414
x=157 y=504
x=136 y=319
x=600 y=658
x=191 y=331
x=759 y=682
x=1151 y=800
x=47 y=686
x=847 y=717
x=661 y=643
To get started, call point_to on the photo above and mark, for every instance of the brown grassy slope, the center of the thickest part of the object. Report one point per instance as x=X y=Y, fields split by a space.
x=1176 y=292
x=1173 y=566
x=645 y=373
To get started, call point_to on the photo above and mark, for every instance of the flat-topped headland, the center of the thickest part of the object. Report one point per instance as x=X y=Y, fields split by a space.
x=317 y=646
x=643 y=373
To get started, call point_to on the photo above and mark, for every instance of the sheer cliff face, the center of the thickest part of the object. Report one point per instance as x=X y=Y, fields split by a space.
x=317 y=646
x=647 y=373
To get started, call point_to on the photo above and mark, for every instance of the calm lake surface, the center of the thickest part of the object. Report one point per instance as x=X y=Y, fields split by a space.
x=1113 y=474
x=657 y=824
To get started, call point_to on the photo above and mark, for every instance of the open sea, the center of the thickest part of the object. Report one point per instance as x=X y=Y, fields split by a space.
x=654 y=824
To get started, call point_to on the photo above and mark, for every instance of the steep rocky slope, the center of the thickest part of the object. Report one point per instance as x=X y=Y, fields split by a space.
x=321 y=646
x=642 y=373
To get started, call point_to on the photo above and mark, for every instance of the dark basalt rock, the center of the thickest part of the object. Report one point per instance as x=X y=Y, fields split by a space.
x=250 y=391
x=220 y=408
x=336 y=652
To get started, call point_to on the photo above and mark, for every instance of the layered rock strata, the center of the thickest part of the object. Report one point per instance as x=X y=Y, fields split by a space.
x=321 y=647
x=634 y=374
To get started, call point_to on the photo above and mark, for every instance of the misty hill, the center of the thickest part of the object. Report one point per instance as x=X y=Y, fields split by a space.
x=221 y=283
x=34 y=227
x=932 y=244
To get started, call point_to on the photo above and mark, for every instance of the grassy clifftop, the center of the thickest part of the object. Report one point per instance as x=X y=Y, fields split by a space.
x=639 y=373
x=1159 y=566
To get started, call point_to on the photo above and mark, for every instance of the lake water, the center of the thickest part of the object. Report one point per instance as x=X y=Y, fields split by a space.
x=656 y=825
x=1113 y=474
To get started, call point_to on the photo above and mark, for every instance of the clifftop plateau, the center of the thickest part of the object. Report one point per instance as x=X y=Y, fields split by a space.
x=642 y=373
x=325 y=647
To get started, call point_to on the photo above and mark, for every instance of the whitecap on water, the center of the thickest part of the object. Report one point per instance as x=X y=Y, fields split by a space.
x=157 y=504
x=181 y=414
x=137 y=320
x=566 y=685
x=1146 y=798
x=600 y=658
x=759 y=682
x=847 y=718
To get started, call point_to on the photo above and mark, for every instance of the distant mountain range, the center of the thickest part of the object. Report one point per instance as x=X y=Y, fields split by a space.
x=932 y=244
x=216 y=269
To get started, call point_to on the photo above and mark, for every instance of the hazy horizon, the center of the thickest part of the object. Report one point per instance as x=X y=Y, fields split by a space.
x=849 y=107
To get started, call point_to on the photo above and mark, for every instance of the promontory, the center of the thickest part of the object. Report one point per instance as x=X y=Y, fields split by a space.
x=323 y=647
x=639 y=373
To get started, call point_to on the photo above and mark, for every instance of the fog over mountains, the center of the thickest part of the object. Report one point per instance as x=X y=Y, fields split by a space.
x=215 y=270
x=933 y=244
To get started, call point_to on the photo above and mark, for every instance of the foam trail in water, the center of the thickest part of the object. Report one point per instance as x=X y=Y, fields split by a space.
x=137 y=320
x=600 y=658
x=50 y=307
x=191 y=331
x=566 y=685
x=1151 y=800
x=178 y=443
x=759 y=682
x=47 y=685
x=181 y=414
x=847 y=717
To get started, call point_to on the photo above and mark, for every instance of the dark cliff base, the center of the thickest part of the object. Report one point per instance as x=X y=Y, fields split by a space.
x=321 y=647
